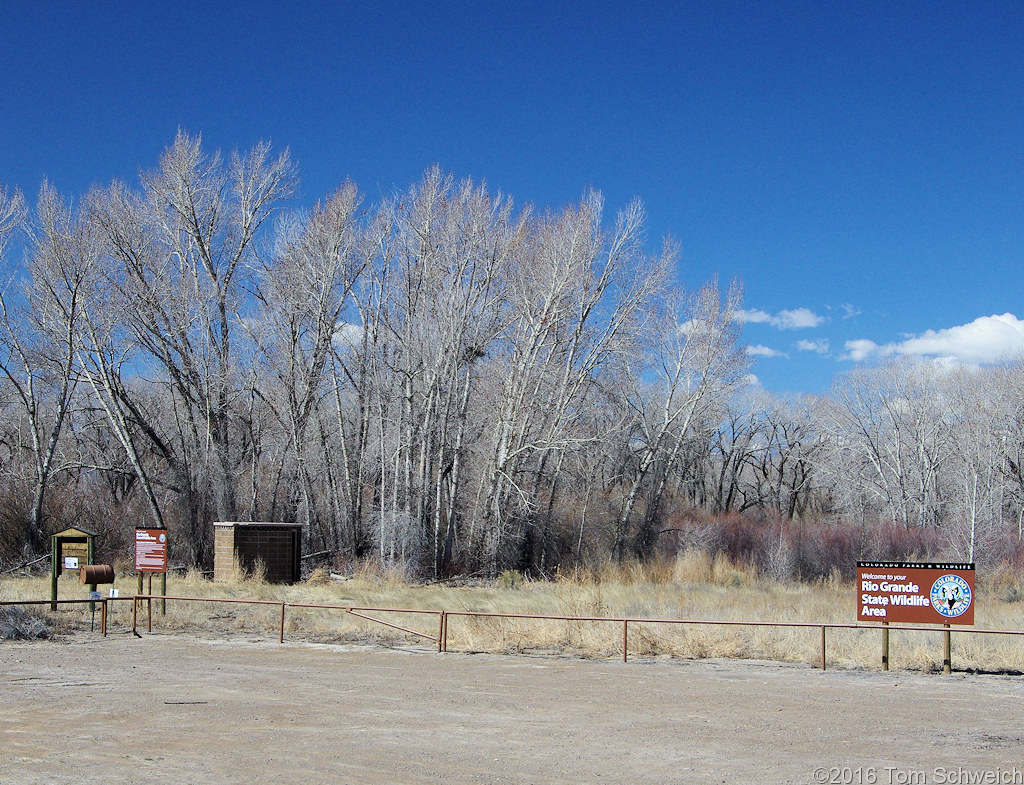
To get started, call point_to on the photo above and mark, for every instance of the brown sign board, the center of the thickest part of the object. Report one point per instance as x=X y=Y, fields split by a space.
x=76 y=552
x=915 y=592
x=150 y=550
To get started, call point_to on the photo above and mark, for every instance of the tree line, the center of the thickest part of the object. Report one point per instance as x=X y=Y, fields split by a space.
x=442 y=380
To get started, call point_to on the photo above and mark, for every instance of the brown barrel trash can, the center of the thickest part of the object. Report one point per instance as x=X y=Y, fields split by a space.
x=97 y=573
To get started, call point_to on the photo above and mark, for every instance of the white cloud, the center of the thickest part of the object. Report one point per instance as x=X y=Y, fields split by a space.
x=348 y=334
x=849 y=310
x=689 y=327
x=821 y=347
x=764 y=351
x=987 y=339
x=751 y=380
x=754 y=315
x=795 y=319
x=859 y=350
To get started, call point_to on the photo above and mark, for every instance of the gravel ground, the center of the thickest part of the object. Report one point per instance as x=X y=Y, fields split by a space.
x=169 y=708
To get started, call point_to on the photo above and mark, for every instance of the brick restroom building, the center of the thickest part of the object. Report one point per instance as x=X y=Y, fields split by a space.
x=277 y=545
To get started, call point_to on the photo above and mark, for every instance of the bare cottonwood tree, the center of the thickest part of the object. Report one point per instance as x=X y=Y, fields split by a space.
x=578 y=300
x=179 y=255
x=783 y=463
x=39 y=326
x=302 y=292
x=693 y=362
x=890 y=422
x=980 y=408
x=733 y=448
x=12 y=215
x=441 y=288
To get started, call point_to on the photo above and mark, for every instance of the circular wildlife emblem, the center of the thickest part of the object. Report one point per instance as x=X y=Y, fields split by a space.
x=951 y=596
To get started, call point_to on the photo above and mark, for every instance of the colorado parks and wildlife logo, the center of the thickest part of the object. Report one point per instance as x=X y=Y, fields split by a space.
x=951 y=596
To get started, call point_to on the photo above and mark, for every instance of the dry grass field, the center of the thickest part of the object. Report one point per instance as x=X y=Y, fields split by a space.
x=692 y=587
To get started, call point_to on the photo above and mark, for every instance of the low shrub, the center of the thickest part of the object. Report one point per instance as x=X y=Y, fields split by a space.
x=23 y=624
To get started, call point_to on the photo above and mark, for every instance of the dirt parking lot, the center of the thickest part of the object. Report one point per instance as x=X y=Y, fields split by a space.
x=180 y=709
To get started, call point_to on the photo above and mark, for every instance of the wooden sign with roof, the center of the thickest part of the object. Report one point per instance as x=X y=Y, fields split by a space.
x=70 y=550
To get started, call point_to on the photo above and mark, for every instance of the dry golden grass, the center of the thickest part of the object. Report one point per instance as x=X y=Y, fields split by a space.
x=694 y=586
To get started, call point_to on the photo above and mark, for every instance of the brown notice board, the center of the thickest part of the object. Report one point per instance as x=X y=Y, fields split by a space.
x=150 y=550
x=915 y=592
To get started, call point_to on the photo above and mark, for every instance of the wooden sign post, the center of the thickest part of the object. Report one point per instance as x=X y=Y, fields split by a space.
x=150 y=557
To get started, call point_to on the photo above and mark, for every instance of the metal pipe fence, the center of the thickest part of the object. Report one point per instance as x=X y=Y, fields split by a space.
x=440 y=639
x=102 y=602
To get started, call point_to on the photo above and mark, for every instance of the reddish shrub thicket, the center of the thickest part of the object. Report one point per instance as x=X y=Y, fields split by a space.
x=788 y=550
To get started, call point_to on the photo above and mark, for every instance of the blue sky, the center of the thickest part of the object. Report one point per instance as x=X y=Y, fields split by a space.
x=858 y=166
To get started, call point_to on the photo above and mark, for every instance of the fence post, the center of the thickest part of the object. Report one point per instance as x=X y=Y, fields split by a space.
x=444 y=632
x=53 y=575
x=823 y=647
x=625 y=639
x=135 y=614
x=947 y=660
x=885 y=645
x=103 y=617
x=281 y=638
